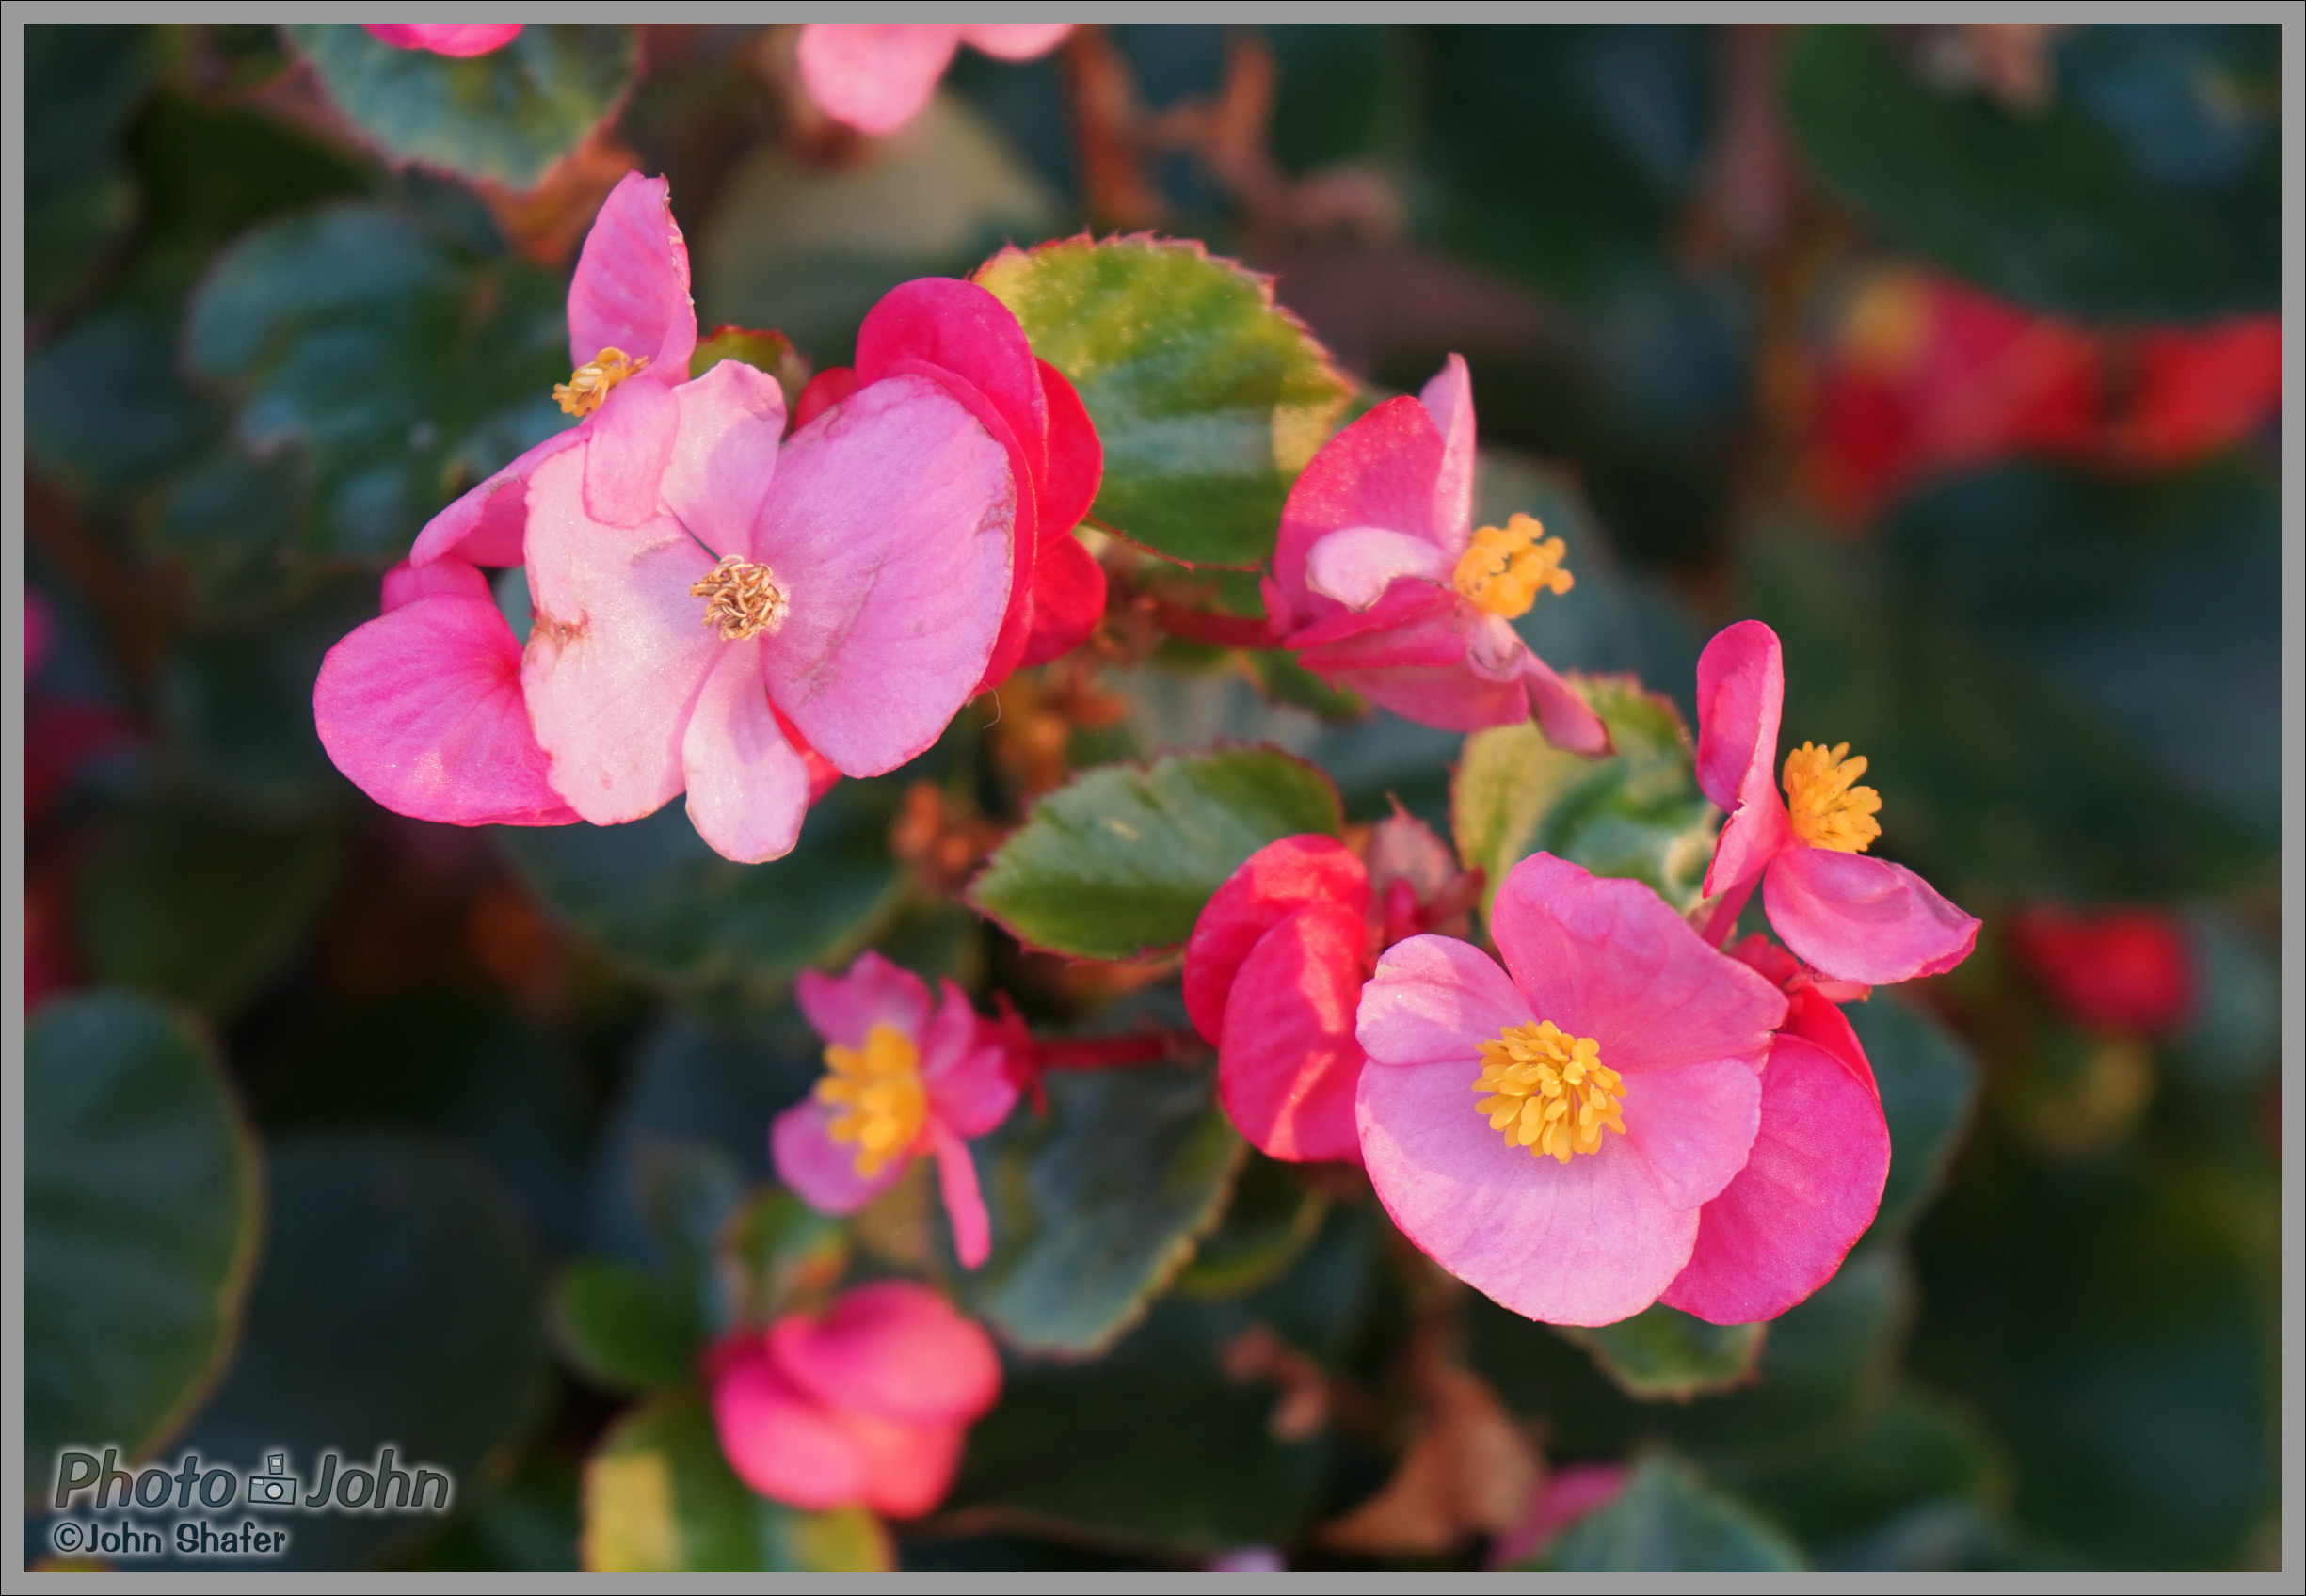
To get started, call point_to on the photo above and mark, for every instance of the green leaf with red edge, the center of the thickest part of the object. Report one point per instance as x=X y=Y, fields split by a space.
x=1209 y=397
x=771 y=352
x=1117 y=864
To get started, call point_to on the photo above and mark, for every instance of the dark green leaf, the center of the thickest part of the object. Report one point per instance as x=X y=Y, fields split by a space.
x=1668 y=1520
x=82 y=84
x=504 y=116
x=624 y=1328
x=1208 y=397
x=777 y=1256
x=105 y=405
x=141 y=1214
x=1929 y=1084
x=1663 y=1352
x=1270 y=1219
x=1120 y=862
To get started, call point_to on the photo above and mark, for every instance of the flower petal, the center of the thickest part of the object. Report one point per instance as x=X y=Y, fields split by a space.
x=874 y=76
x=1741 y=692
x=627 y=448
x=970 y=1089
x=723 y=455
x=844 y=1008
x=780 y=1441
x=891 y=520
x=748 y=788
x=1076 y=453
x=956 y=1183
x=487 y=523
x=948 y=323
x=1264 y=889
x=1354 y=566
x=894 y=1349
x=1808 y=1191
x=1067 y=596
x=1287 y=1061
x=1449 y=399
x=1693 y=1126
x=1421 y=667
x=1566 y=719
x=1379 y=472
x=631 y=291
x=1858 y=918
x=1015 y=41
x=1436 y=999
x=909 y=1467
x=821 y=1171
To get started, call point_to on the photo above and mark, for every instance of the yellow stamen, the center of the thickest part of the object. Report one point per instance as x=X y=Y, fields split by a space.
x=1827 y=811
x=589 y=384
x=877 y=1089
x=1548 y=1090
x=1503 y=569
x=742 y=599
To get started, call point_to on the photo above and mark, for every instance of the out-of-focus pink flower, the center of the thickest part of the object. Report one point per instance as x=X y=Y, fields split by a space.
x=867 y=1405
x=960 y=337
x=38 y=631
x=876 y=77
x=1813 y=1179
x=446 y=39
x=1565 y=1496
x=900 y=1080
x=1248 y=1560
x=1849 y=917
x=1275 y=970
x=1549 y=1132
x=61 y=734
x=2124 y=972
x=1384 y=586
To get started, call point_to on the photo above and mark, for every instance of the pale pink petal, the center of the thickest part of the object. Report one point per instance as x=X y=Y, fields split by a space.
x=821 y=1171
x=487 y=523
x=629 y=444
x=781 y=1442
x=1287 y=1061
x=445 y=38
x=1858 y=918
x=1741 y=692
x=1808 y=1191
x=618 y=651
x=1356 y=565
x=956 y=1183
x=1693 y=1126
x=1015 y=41
x=723 y=455
x=1436 y=999
x=1268 y=886
x=873 y=991
x=889 y=523
x=1568 y=722
x=631 y=291
x=1449 y=399
x=894 y=1349
x=970 y=1085
x=1588 y=1242
x=404 y=583
x=1379 y=472
x=1609 y=959
x=874 y=76
x=749 y=790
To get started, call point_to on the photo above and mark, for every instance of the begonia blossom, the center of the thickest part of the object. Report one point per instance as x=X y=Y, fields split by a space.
x=965 y=340
x=2122 y=972
x=1853 y=917
x=446 y=39
x=1384 y=586
x=876 y=77
x=865 y=1405
x=1274 y=968
x=902 y=1080
x=1549 y=1132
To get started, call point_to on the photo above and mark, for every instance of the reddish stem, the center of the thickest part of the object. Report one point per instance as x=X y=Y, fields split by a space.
x=1202 y=626
x=1104 y=1052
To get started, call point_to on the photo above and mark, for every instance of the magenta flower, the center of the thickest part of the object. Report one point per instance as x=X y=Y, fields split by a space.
x=445 y=38
x=866 y=1405
x=960 y=337
x=876 y=77
x=1382 y=585
x=1851 y=917
x=1549 y=1132
x=899 y=1081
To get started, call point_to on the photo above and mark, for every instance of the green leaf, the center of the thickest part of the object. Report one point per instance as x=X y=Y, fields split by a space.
x=2063 y=208
x=504 y=116
x=1669 y=1520
x=624 y=1328
x=660 y=1498
x=775 y=1255
x=771 y=352
x=1210 y=398
x=397 y=1303
x=1637 y=813
x=81 y=84
x=1097 y=1208
x=1270 y=1219
x=1119 y=862
x=1663 y=1352
x=199 y=905
x=105 y=405
x=141 y=1215
x=1929 y=1086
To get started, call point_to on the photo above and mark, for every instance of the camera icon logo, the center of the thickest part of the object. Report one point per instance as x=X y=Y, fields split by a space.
x=276 y=1486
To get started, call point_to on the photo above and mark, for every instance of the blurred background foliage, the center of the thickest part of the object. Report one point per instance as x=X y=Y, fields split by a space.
x=1948 y=351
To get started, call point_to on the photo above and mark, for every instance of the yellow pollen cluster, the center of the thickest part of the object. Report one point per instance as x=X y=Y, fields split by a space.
x=877 y=1090
x=742 y=599
x=1505 y=567
x=1827 y=811
x=589 y=384
x=1548 y=1090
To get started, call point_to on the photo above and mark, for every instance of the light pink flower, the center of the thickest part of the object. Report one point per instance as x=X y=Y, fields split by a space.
x=1853 y=917
x=1382 y=585
x=900 y=1081
x=876 y=77
x=866 y=1405
x=1650 y=1041
x=446 y=39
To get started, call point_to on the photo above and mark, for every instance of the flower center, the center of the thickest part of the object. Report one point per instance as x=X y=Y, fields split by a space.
x=1548 y=1090
x=1504 y=567
x=1827 y=811
x=742 y=599
x=589 y=384
x=877 y=1090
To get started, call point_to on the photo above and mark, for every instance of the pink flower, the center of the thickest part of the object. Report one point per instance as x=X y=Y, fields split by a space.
x=1382 y=585
x=899 y=1081
x=1566 y=1495
x=867 y=1405
x=1550 y=1135
x=2122 y=972
x=445 y=38
x=1813 y=1179
x=1853 y=917
x=961 y=338
x=876 y=77
x=1275 y=970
